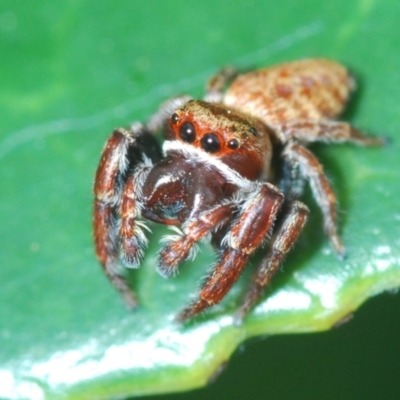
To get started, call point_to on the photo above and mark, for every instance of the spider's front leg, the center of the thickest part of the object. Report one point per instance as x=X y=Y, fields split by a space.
x=121 y=152
x=255 y=221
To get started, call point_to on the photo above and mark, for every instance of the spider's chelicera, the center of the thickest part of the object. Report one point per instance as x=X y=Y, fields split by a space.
x=230 y=170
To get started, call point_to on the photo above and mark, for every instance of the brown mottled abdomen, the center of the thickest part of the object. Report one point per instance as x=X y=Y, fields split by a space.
x=301 y=90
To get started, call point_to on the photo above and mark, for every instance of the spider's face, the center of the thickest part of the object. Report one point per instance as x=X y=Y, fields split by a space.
x=241 y=143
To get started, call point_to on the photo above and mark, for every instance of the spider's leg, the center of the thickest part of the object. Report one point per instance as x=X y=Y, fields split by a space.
x=180 y=248
x=283 y=241
x=217 y=84
x=327 y=131
x=157 y=120
x=107 y=189
x=123 y=148
x=252 y=226
x=312 y=170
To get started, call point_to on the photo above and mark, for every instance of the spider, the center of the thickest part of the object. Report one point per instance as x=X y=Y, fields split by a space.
x=230 y=170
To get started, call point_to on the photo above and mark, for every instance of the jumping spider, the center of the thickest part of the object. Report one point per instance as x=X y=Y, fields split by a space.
x=230 y=166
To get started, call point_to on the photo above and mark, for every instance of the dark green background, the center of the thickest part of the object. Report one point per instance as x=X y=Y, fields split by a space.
x=359 y=360
x=69 y=73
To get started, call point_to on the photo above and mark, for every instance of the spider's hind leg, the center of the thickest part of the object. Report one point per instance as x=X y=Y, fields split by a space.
x=218 y=83
x=312 y=170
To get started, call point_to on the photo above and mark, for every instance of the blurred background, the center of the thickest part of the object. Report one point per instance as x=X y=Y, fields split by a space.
x=359 y=360
x=69 y=73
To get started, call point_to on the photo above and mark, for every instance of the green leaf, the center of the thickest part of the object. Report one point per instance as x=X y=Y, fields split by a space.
x=71 y=72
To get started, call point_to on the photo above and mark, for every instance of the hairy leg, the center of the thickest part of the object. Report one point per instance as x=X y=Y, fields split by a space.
x=327 y=131
x=132 y=240
x=217 y=84
x=282 y=243
x=252 y=226
x=107 y=190
x=312 y=170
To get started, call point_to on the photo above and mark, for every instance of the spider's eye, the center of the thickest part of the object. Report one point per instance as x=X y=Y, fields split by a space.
x=174 y=118
x=210 y=143
x=253 y=131
x=187 y=132
x=233 y=144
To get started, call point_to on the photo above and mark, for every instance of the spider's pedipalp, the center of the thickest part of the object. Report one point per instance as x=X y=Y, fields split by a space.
x=194 y=230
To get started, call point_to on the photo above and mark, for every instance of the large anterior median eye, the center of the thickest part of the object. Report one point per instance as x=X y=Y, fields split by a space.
x=210 y=143
x=187 y=132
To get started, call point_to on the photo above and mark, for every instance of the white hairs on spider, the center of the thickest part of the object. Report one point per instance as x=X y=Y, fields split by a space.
x=167 y=239
x=191 y=152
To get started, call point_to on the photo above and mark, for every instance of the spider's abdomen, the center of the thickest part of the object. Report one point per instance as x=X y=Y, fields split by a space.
x=311 y=89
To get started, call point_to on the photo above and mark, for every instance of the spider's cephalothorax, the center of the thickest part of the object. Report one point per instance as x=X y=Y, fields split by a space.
x=229 y=166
